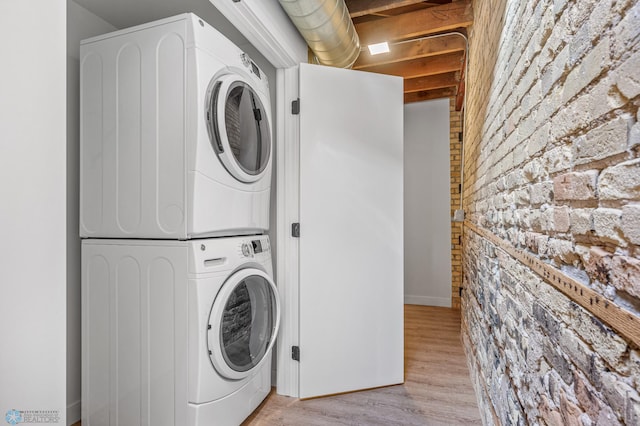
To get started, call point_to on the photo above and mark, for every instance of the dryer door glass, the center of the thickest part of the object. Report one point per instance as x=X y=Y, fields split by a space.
x=239 y=128
x=244 y=322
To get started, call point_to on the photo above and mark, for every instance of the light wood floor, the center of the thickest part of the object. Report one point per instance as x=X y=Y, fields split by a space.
x=437 y=388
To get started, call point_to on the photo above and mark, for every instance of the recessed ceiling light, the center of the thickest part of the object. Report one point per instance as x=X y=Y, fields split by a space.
x=378 y=48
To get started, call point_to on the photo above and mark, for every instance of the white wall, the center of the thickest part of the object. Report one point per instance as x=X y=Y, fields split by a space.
x=33 y=212
x=427 y=226
x=81 y=24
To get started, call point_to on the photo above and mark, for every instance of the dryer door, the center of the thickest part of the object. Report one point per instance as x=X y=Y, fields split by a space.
x=243 y=323
x=239 y=128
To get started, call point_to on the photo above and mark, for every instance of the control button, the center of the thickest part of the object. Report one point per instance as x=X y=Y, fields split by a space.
x=245 y=60
x=246 y=250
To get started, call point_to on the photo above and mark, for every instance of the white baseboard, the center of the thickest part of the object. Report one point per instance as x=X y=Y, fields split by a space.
x=73 y=413
x=427 y=301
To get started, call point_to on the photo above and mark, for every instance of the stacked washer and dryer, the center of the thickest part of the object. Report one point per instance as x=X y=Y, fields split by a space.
x=179 y=308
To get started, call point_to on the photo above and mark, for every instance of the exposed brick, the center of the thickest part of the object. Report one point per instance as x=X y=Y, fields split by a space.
x=558 y=6
x=630 y=223
x=632 y=413
x=581 y=221
x=538 y=140
x=598 y=265
x=607 y=417
x=585 y=420
x=548 y=415
x=546 y=220
x=541 y=193
x=625 y=274
x=617 y=394
x=609 y=346
x=558 y=362
x=621 y=181
x=600 y=19
x=586 y=396
x=578 y=352
x=588 y=69
x=606 y=224
x=629 y=82
x=602 y=142
x=531 y=241
x=569 y=411
x=627 y=32
x=542 y=242
x=533 y=170
x=558 y=159
x=562 y=251
x=582 y=111
x=552 y=109
x=634 y=136
x=561 y=221
x=575 y=186
x=523 y=197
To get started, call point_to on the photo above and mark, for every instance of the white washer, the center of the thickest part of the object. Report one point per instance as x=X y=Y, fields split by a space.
x=176 y=332
x=176 y=135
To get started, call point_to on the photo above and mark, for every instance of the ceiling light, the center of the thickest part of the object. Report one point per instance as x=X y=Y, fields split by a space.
x=378 y=48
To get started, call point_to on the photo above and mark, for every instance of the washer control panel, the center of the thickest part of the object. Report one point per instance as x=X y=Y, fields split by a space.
x=255 y=246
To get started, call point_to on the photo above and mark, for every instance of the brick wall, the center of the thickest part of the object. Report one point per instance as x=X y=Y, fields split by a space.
x=552 y=166
x=455 y=152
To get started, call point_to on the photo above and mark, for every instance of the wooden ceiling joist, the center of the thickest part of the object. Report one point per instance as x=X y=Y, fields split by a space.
x=418 y=23
x=425 y=49
x=431 y=82
x=412 y=50
x=429 y=95
x=422 y=67
x=461 y=86
x=369 y=7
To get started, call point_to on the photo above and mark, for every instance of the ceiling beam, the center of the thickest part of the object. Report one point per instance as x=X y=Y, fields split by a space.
x=422 y=67
x=417 y=23
x=430 y=82
x=461 y=86
x=429 y=94
x=369 y=7
x=412 y=50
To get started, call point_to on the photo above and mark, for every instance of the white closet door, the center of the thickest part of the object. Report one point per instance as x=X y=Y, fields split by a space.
x=351 y=238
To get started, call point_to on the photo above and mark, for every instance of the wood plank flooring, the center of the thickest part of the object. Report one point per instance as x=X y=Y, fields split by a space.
x=437 y=388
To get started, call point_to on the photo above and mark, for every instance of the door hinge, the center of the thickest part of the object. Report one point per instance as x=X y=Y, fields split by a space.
x=295 y=107
x=295 y=230
x=295 y=353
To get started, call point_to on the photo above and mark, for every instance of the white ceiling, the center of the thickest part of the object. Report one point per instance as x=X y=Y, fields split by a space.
x=127 y=13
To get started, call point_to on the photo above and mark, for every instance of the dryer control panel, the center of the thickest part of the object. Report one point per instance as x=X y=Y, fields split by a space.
x=247 y=62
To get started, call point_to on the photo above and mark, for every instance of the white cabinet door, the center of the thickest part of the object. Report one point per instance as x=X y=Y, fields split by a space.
x=351 y=238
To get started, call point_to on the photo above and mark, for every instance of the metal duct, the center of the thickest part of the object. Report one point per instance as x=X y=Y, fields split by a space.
x=327 y=28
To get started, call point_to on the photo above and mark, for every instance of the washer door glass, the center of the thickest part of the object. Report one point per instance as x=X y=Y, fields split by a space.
x=243 y=323
x=238 y=127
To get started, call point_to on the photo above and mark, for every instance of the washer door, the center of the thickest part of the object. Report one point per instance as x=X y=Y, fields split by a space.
x=243 y=323
x=238 y=127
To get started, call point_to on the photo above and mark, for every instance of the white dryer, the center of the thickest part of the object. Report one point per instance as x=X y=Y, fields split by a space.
x=176 y=134
x=176 y=332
